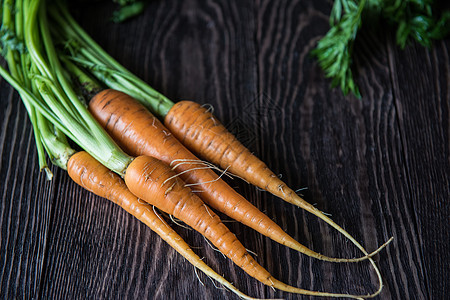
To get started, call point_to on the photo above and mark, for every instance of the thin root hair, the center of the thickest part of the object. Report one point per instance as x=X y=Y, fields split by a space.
x=260 y=189
x=251 y=252
x=174 y=220
x=301 y=189
x=207 y=209
x=210 y=108
x=214 y=248
x=214 y=180
x=169 y=189
x=159 y=217
x=280 y=188
x=272 y=284
x=140 y=201
x=198 y=277
x=185 y=171
x=213 y=166
x=200 y=162
x=221 y=287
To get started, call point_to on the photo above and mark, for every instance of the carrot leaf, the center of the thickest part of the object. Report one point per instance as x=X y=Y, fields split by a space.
x=422 y=21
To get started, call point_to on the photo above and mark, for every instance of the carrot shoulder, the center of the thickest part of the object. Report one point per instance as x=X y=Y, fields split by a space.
x=153 y=181
x=93 y=176
x=138 y=132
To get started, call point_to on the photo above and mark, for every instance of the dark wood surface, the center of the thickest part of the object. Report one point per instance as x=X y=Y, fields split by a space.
x=379 y=165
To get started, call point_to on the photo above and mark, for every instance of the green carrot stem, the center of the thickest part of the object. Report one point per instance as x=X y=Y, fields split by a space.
x=52 y=84
x=155 y=101
x=11 y=23
x=87 y=83
x=32 y=114
x=55 y=143
x=66 y=20
x=9 y=26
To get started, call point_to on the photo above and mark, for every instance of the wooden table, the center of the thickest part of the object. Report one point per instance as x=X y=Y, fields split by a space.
x=379 y=165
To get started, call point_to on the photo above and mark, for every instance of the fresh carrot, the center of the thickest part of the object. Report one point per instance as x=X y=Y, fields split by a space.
x=90 y=174
x=96 y=178
x=153 y=181
x=197 y=128
x=201 y=131
x=138 y=132
x=53 y=96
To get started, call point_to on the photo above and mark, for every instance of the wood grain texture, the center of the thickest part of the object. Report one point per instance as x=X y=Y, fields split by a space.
x=379 y=165
x=422 y=107
x=26 y=203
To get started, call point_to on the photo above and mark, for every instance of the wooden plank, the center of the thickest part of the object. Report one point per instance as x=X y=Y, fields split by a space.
x=379 y=165
x=421 y=78
x=25 y=202
x=327 y=142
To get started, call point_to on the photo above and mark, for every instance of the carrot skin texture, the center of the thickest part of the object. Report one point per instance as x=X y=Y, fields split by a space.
x=116 y=111
x=197 y=128
x=149 y=179
x=152 y=180
x=201 y=132
x=138 y=132
x=93 y=176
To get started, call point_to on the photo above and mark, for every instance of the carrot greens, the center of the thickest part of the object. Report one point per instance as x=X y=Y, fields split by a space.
x=79 y=47
x=95 y=61
x=54 y=107
x=56 y=98
x=419 y=20
x=52 y=62
x=128 y=9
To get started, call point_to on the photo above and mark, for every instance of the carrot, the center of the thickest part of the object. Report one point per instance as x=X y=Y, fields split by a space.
x=153 y=181
x=187 y=120
x=138 y=132
x=93 y=176
x=200 y=131
x=52 y=94
x=197 y=128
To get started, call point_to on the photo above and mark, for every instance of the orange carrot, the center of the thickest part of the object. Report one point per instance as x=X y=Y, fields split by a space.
x=138 y=132
x=96 y=178
x=197 y=128
x=153 y=181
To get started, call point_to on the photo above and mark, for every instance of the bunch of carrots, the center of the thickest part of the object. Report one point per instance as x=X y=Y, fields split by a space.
x=137 y=148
